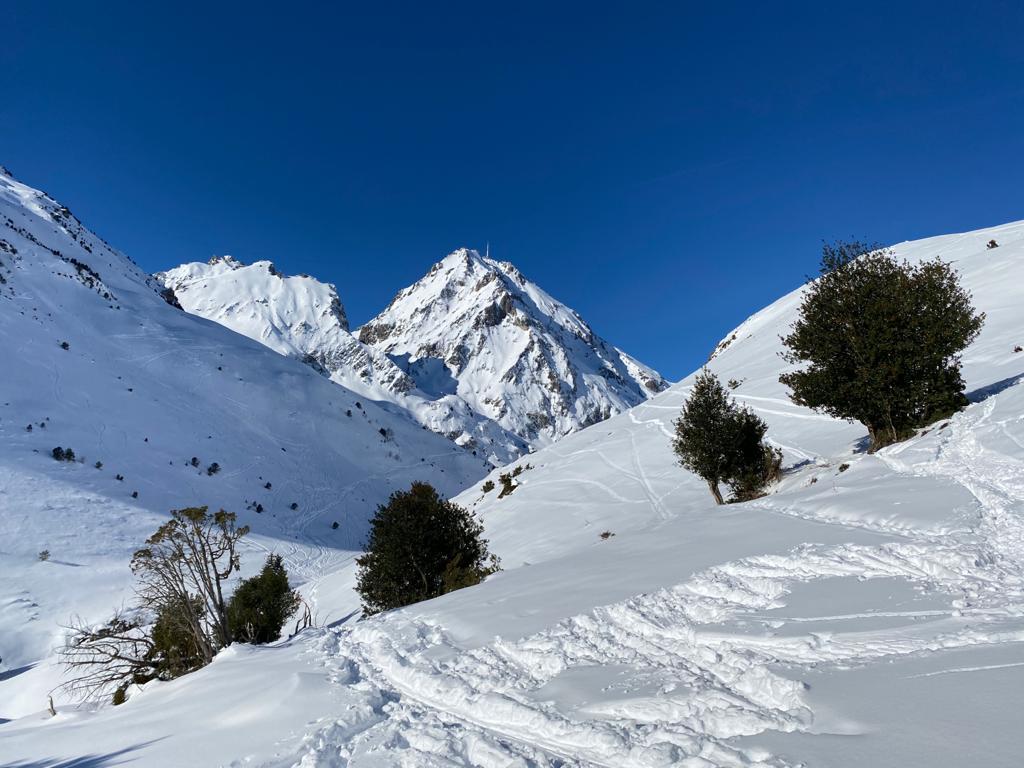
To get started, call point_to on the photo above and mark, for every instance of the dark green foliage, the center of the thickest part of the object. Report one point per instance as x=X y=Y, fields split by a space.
x=881 y=339
x=261 y=605
x=843 y=467
x=44 y=555
x=213 y=469
x=507 y=486
x=65 y=345
x=723 y=443
x=762 y=465
x=488 y=486
x=176 y=650
x=63 y=454
x=420 y=546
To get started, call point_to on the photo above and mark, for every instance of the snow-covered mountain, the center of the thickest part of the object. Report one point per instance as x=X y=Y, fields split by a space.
x=148 y=397
x=869 y=612
x=510 y=350
x=304 y=318
x=296 y=316
x=473 y=351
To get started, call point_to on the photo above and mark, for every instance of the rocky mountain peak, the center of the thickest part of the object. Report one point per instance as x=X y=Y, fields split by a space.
x=520 y=356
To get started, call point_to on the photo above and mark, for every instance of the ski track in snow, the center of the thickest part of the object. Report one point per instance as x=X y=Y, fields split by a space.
x=480 y=707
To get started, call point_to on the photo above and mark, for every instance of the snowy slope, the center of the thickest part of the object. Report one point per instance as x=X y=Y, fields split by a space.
x=304 y=318
x=508 y=349
x=871 y=616
x=143 y=387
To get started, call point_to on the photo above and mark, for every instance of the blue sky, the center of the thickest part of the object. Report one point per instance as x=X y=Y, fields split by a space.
x=666 y=169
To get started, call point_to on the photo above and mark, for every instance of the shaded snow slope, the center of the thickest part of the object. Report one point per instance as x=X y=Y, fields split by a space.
x=866 y=615
x=97 y=361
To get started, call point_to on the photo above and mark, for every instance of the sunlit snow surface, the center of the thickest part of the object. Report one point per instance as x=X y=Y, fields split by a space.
x=869 y=617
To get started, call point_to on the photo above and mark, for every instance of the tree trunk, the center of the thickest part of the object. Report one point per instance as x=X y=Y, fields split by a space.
x=713 y=485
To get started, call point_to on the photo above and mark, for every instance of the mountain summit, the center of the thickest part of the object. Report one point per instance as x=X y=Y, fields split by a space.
x=514 y=353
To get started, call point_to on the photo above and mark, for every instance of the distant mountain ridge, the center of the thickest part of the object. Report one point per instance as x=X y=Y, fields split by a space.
x=473 y=351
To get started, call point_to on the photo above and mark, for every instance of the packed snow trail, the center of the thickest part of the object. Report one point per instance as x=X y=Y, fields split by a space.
x=708 y=685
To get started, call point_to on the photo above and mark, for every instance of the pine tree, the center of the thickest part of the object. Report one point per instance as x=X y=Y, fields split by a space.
x=881 y=339
x=262 y=604
x=723 y=443
x=420 y=546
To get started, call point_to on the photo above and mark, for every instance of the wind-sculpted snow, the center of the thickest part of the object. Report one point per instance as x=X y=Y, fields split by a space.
x=868 y=612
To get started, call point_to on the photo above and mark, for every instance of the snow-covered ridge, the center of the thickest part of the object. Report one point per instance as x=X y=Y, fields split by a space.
x=296 y=316
x=518 y=355
x=474 y=351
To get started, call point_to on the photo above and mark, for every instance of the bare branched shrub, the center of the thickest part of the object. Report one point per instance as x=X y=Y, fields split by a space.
x=107 y=657
x=181 y=620
x=185 y=563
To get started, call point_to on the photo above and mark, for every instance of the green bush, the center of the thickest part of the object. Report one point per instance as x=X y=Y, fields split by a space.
x=881 y=341
x=723 y=442
x=507 y=486
x=63 y=454
x=420 y=546
x=176 y=649
x=262 y=604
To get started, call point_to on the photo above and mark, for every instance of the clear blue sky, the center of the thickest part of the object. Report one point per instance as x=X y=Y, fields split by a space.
x=666 y=169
